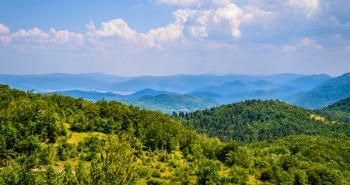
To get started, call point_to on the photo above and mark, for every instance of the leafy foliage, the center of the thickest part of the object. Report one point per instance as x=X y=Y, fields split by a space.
x=254 y=120
x=339 y=111
x=53 y=139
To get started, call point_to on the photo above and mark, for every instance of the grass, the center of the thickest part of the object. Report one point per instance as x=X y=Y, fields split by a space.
x=76 y=137
x=317 y=118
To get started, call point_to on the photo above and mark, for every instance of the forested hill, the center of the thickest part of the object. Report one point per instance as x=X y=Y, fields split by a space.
x=23 y=114
x=337 y=111
x=254 y=120
x=54 y=139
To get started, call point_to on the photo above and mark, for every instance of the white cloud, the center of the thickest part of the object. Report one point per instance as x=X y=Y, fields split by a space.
x=184 y=3
x=302 y=44
x=155 y=37
x=310 y=43
x=114 y=28
x=4 y=29
x=309 y=7
x=232 y=14
x=120 y=30
x=220 y=2
x=39 y=39
x=202 y=23
x=289 y=48
x=34 y=34
x=64 y=36
x=5 y=39
x=253 y=14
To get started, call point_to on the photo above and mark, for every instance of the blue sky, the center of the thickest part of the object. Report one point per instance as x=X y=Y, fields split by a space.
x=167 y=37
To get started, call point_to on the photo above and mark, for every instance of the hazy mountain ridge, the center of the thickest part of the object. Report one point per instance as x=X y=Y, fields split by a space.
x=103 y=82
x=308 y=91
x=325 y=94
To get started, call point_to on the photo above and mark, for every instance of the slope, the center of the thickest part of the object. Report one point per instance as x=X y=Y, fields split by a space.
x=168 y=103
x=325 y=94
x=260 y=120
x=339 y=111
x=54 y=139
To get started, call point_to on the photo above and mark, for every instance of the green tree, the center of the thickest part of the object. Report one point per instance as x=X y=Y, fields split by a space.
x=118 y=165
x=51 y=176
x=208 y=172
x=82 y=173
x=300 y=178
x=68 y=177
x=285 y=179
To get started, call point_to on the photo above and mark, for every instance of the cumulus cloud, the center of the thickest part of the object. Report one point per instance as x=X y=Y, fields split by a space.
x=202 y=23
x=185 y=3
x=113 y=28
x=220 y=21
x=64 y=36
x=309 y=7
x=120 y=30
x=252 y=14
x=34 y=34
x=302 y=44
x=4 y=37
x=155 y=37
x=310 y=43
x=232 y=14
x=4 y=29
x=53 y=37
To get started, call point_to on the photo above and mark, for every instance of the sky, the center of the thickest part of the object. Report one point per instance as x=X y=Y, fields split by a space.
x=168 y=37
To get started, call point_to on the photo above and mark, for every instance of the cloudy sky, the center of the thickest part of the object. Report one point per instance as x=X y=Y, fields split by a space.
x=166 y=37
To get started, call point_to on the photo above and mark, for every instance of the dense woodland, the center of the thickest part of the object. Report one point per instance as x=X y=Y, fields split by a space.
x=337 y=111
x=257 y=120
x=54 y=139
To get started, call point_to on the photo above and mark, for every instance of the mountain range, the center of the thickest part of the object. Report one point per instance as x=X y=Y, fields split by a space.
x=190 y=92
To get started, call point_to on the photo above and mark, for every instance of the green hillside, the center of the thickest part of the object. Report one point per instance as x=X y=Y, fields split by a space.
x=254 y=120
x=54 y=139
x=169 y=103
x=338 y=111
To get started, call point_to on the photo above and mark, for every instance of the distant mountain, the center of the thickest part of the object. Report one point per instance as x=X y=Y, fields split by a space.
x=103 y=82
x=189 y=83
x=166 y=102
x=90 y=95
x=253 y=120
x=97 y=95
x=169 y=103
x=263 y=85
x=237 y=88
x=292 y=88
x=225 y=89
x=60 y=81
x=147 y=91
x=306 y=83
x=325 y=94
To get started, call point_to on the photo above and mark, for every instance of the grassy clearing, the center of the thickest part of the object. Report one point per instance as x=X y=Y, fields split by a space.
x=76 y=137
x=317 y=118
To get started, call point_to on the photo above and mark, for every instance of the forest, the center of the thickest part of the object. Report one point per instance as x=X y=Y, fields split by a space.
x=257 y=120
x=55 y=139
